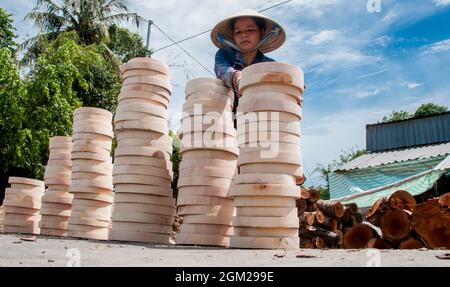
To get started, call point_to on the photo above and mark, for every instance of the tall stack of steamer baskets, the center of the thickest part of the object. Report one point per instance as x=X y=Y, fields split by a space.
x=91 y=174
x=143 y=205
x=57 y=201
x=270 y=162
x=22 y=204
x=209 y=153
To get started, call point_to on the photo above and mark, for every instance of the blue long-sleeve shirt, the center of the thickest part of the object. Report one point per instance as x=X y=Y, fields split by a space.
x=229 y=61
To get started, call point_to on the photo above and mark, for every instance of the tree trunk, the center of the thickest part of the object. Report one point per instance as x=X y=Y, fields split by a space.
x=353 y=207
x=411 y=243
x=314 y=196
x=301 y=206
x=395 y=225
x=307 y=218
x=378 y=243
x=330 y=223
x=403 y=200
x=444 y=201
x=377 y=210
x=330 y=208
x=319 y=243
x=318 y=217
x=358 y=236
x=309 y=232
x=304 y=193
x=432 y=224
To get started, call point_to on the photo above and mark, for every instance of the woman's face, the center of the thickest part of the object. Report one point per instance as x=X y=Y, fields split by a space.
x=246 y=34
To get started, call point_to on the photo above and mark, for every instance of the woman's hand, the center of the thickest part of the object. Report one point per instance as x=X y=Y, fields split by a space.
x=236 y=79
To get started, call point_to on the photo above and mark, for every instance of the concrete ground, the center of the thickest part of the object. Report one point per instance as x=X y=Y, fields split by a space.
x=46 y=251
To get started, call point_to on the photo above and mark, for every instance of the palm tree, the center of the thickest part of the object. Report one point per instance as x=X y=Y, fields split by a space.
x=90 y=19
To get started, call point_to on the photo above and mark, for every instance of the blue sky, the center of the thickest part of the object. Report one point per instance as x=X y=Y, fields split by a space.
x=359 y=66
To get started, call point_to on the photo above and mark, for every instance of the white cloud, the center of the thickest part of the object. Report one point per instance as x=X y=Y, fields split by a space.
x=325 y=36
x=437 y=47
x=413 y=86
x=442 y=2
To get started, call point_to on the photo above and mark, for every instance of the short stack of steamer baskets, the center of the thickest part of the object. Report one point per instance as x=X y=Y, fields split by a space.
x=91 y=174
x=143 y=204
x=57 y=201
x=22 y=203
x=270 y=162
x=208 y=163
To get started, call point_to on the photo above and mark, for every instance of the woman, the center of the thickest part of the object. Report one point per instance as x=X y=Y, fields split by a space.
x=242 y=39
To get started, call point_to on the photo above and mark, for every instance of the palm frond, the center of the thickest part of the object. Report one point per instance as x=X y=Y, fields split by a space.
x=118 y=18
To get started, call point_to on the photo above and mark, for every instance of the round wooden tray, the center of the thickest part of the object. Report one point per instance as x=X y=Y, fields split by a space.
x=145 y=63
x=265 y=116
x=267 y=222
x=220 y=105
x=90 y=148
x=264 y=179
x=57 y=187
x=204 y=190
x=143 y=170
x=273 y=73
x=156 y=238
x=267 y=87
x=214 y=229
x=62 y=163
x=53 y=232
x=100 y=184
x=208 y=162
x=94 y=129
x=144 y=198
x=139 y=116
x=25 y=191
x=203 y=239
x=264 y=201
x=206 y=219
x=214 y=112
x=270 y=94
x=265 y=232
x=208 y=154
x=141 y=151
x=103 y=157
x=232 y=150
x=142 y=134
x=264 y=190
x=207 y=171
x=143 y=160
x=141 y=179
x=282 y=157
x=265 y=242
x=148 y=80
x=90 y=136
x=291 y=169
x=106 y=197
x=60 y=156
x=150 y=109
x=58 y=169
x=208 y=140
x=266 y=211
x=143 y=125
x=60 y=181
x=79 y=202
x=91 y=176
x=24 y=217
x=269 y=129
x=57 y=199
x=274 y=105
x=95 y=111
x=105 y=144
x=82 y=117
x=204 y=180
x=207 y=88
x=203 y=200
x=142 y=217
x=189 y=128
x=21 y=203
x=96 y=234
x=165 y=147
x=98 y=169
x=60 y=146
x=20 y=210
x=141 y=227
x=130 y=73
x=210 y=210
x=151 y=98
x=53 y=225
x=26 y=181
x=25 y=230
x=143 y=189
x=89 y=222
x=256 y=137
x=56 y=212
x=144 y=208
x=52 y=218
x=210 y=95
x=146 y=89
x=91 y=215
x=79 y=188
x=99 y=123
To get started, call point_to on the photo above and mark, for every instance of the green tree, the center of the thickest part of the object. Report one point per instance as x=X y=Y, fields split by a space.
x=429 y=109
x=7 y=33
x=126 y=45
x=397 y=116
x=90 y=19
x=324 y=171
x=175 y=159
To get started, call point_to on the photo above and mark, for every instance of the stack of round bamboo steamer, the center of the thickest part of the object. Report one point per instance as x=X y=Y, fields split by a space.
x=270 y=162
x=209 y=153
x=143 y=205
x=57 y=201
x=91 y=174
x=22 y=203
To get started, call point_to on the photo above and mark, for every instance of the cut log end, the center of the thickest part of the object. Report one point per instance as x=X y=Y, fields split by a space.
x=378 y=243
x=403 y=200
x=395 y=225
x=411 y=243
x=358 y=236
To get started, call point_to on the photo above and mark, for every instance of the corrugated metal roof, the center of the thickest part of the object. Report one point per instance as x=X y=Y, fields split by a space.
x=382 y=158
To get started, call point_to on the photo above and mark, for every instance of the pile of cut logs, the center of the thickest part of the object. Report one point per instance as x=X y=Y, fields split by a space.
x=404 y=224
x=324 y=223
